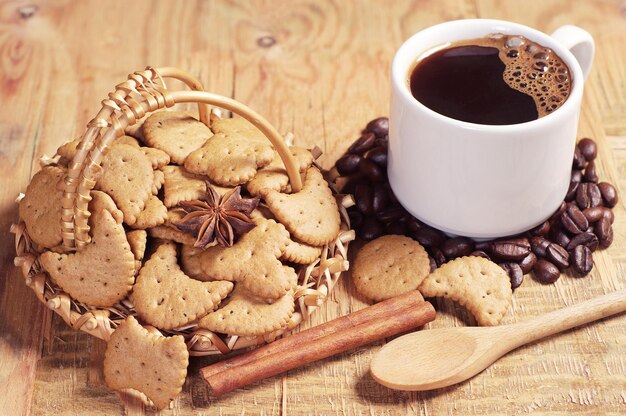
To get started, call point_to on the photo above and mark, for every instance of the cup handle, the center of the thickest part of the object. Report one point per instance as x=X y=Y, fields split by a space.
x=579 y=42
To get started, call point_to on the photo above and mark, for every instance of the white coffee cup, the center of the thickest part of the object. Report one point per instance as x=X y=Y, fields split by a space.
x=483 y=181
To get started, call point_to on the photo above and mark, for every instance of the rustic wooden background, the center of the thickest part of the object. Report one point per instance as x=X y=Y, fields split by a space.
x=318 y=68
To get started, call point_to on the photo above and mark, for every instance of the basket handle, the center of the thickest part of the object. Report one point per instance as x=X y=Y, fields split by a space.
x=143 y=93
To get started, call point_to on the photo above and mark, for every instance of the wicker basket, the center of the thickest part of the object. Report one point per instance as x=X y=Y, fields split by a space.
x=143 y=93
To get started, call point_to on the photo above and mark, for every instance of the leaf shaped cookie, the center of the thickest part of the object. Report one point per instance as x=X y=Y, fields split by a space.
x=252 y=261
x=166 y=298
x=248 y=315
x=127 y=176
x=41 y=206
x=274 y=176
x=177 y=133
x=102 y=272
x=311 y=215
x=138 y=359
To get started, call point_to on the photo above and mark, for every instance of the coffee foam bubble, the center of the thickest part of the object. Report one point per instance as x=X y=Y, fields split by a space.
x=532 y=69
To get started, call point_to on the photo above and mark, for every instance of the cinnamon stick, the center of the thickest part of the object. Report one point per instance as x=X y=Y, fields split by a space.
x=299 y=353
x=381 y=310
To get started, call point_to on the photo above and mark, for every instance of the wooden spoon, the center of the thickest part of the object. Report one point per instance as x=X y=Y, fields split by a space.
x=432 y=359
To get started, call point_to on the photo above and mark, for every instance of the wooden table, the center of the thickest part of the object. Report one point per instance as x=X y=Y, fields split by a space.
x=318 y=68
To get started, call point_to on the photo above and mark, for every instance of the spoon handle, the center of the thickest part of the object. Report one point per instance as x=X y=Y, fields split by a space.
x=569 y=317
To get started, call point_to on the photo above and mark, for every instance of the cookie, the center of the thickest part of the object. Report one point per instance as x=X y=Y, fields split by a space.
x=474 y=282
x=102 y=272
x=137 y=239
x=68 y=149
x=310 y=215
x=274 y=176
x=252 y=261
x=146 y=361
x=127 y=176
x=158 y=158
x=154 y=213
x=389 y=266
x=157 y=183
x=230 y=159
x=238 y=125
x=177 y=133
x=300 y=253
x=181 y=185
x=166 y=298
x=165 y=232
x=41 y=206
x=248 y=315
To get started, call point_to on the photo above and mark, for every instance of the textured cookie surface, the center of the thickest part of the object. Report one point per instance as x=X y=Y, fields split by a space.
x=137 y=239
x=311 y=215
x=41 y=207
x=252 y=261
x=389 y=266
x=127 y=176
x=150 y=363
x=154 y=213
x=102 y=272
x=300 y=253
x=166 y=298
x=274 y=176
x=480 y=285
x=249 y=315
x=177 y=133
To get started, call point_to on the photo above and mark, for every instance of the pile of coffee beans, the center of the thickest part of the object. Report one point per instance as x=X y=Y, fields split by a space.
x=582 y=224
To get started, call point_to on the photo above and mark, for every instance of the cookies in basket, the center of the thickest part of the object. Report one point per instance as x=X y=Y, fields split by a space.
x=195 y=237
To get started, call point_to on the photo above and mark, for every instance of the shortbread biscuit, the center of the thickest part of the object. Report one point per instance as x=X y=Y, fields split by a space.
x=389 y=266
x=181 y=185
x=311 y=215
x=177 y=133
x=474 y=282
x=154 y=213
x=238 y=125
x=230 y=159
x=158 y=158
x=137 y=239
x=300 y=253
x=165 y=232
x=102 y=272
x=248 y=315
x=166 y=298
x=252 y=261
x=127 y=176
x=68 y=149
x=146 y=361
x=41 y=206
x=274 y=176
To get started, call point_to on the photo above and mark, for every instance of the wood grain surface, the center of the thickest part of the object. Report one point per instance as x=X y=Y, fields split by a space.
x=318 y=68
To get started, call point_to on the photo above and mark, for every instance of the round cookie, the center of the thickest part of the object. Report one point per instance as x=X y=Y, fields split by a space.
x=389 y=266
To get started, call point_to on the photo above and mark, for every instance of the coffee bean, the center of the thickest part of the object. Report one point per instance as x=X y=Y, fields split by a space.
x=576 y=176
x=541 y=229
x=546 y=272
x=348 y=164
x=428 y=237
x=512 y=250
x=392 y=196
x=379 y=126
x=382 y=141
x=356 y=218
x=483 y=246
x=380 y=199
x=364 y=198
x=350 y=185
x=390 y=214
x=480 y=253
x=588 y=195
x=561 y=238
x=581 y=260
x=588 y=148
x=528 y=262
x=372 y=171
x=571 y=191
x=457 y=247
x=378 y=155
x=579 y=159
x=539 y=245
x=558 y=255
x=594 y=214
x=439 y=257
x=433 y=264
x=515 y=273
x=412 y=224
x=609 y=194
x=397 y=228
x=370 y=229
x=363 y=144
x=573 y=219
x=604 y=231
x=586 y=239
x=590 y=173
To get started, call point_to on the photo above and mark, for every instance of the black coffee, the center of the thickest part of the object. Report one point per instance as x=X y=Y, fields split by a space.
x=496 y=80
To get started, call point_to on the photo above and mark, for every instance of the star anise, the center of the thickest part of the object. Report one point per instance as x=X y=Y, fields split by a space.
x=217 y=219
